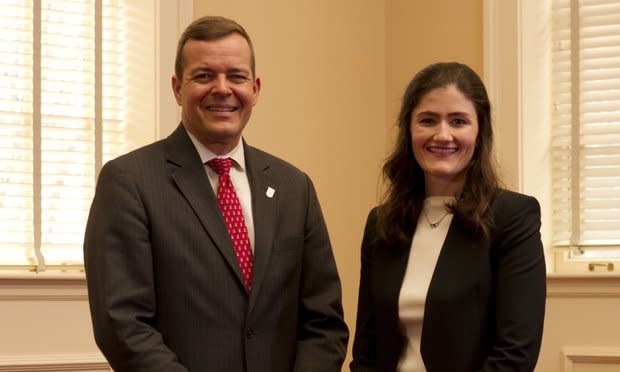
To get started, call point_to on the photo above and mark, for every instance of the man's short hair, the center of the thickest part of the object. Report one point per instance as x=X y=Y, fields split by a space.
x=206 y=29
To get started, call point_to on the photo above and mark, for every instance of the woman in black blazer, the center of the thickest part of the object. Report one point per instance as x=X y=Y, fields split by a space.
x=453 y=271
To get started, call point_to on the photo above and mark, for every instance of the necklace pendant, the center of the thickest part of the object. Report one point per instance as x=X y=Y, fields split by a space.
x=434 y=225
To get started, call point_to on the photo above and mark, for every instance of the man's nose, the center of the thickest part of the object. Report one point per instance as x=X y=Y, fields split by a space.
x=221 y=86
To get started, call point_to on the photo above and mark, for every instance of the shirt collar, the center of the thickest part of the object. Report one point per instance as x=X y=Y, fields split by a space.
x=237 y=154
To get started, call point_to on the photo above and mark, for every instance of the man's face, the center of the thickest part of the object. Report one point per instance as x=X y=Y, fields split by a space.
x=217 y=91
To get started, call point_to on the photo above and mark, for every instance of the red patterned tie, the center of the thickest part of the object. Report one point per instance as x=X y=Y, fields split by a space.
x=233 y=216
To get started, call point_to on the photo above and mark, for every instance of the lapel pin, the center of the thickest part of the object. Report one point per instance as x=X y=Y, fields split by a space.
x=270 y=192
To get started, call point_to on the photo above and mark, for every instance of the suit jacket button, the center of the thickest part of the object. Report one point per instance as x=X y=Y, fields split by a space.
x=249 y=333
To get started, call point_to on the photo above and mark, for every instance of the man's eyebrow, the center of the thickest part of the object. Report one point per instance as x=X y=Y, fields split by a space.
x=199 y=69
x=237 y=69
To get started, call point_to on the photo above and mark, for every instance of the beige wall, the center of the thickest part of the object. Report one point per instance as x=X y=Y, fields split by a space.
x=581 y=324
x=424 y=32
x=333 y=73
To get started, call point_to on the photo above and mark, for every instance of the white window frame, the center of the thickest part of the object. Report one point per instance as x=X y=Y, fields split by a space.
x=172 y=16
x=517 y=62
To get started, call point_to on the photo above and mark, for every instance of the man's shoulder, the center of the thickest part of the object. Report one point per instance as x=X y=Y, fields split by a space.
x=262 y=158
x=138 y=157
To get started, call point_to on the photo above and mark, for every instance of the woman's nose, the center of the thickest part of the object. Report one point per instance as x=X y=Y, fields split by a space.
x=443 y=132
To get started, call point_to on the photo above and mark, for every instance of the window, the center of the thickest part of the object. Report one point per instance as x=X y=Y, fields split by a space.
x=553 y=72
x=586 y=127
x=79 y=84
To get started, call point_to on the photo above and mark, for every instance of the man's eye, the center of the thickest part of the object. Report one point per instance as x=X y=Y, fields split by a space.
x=238 y=78
x=202 y=77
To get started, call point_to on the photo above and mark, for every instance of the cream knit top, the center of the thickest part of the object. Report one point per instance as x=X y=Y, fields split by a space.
x=425 y=247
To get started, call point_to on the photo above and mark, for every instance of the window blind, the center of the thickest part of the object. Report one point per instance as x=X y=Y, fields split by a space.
x=16 y=132
x=65 y=109
x=585 y=144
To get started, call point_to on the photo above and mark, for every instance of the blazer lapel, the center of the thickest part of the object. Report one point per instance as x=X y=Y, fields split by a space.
x=458 y=266
x=187 y=172
x=264 y=198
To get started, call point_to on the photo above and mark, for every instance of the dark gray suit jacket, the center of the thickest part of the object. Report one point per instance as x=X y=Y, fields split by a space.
x=165 y=289
x=485 y=304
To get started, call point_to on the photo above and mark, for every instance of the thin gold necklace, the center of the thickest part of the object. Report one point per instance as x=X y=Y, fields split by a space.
x=434 y=224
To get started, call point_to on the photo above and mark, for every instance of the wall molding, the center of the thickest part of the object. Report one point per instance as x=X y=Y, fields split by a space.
x=516 y=71
x=38 y=287
x=87 y=362
x=172 y=17
x=591 y=355
x=583 y=286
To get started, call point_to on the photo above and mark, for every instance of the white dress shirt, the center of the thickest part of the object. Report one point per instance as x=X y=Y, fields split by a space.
x=238 y=176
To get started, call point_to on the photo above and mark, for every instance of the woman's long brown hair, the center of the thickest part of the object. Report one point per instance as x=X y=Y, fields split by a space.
x=405 y=194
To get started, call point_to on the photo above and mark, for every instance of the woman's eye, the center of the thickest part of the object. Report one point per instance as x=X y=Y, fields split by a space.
x=426 y=121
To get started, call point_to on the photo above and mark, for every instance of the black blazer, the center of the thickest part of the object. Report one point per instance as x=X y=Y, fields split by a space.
x=165 y=288
x=485 y=304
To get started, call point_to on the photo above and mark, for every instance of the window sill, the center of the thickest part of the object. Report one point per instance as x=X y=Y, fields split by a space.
x=24 y=286
x=584 y=267
x=50 y=272
x=55 y=275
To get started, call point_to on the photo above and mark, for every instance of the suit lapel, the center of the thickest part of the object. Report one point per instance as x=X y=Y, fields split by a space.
x=264 y=214
x=187 y=172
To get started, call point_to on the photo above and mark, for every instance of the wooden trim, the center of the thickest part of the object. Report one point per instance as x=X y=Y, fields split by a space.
x=38 y=287
x=54 y=363
x=583 y=286
x=592 y=355
x=72 y=287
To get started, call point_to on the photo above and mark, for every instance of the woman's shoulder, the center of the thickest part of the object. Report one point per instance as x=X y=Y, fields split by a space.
x=512 y=209
x=372 y=220
x=507 y=200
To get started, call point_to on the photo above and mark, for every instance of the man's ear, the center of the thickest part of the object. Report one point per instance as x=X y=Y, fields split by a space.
x=176 y=88
x=256 y=89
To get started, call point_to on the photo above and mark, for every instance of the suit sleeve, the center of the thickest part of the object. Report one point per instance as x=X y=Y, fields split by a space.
x=118 y=262
x=364 y=344
x=322 y=333
x=520 y=287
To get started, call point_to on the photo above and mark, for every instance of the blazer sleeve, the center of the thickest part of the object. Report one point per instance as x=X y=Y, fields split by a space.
x=520 y=285
x=322 y=333
x=118 y=263
x=364 y=344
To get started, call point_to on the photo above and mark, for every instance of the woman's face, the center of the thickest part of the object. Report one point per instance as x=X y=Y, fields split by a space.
x=444 y=128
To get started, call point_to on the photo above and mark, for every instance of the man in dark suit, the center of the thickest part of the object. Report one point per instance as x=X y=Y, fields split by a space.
x=173 y=285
